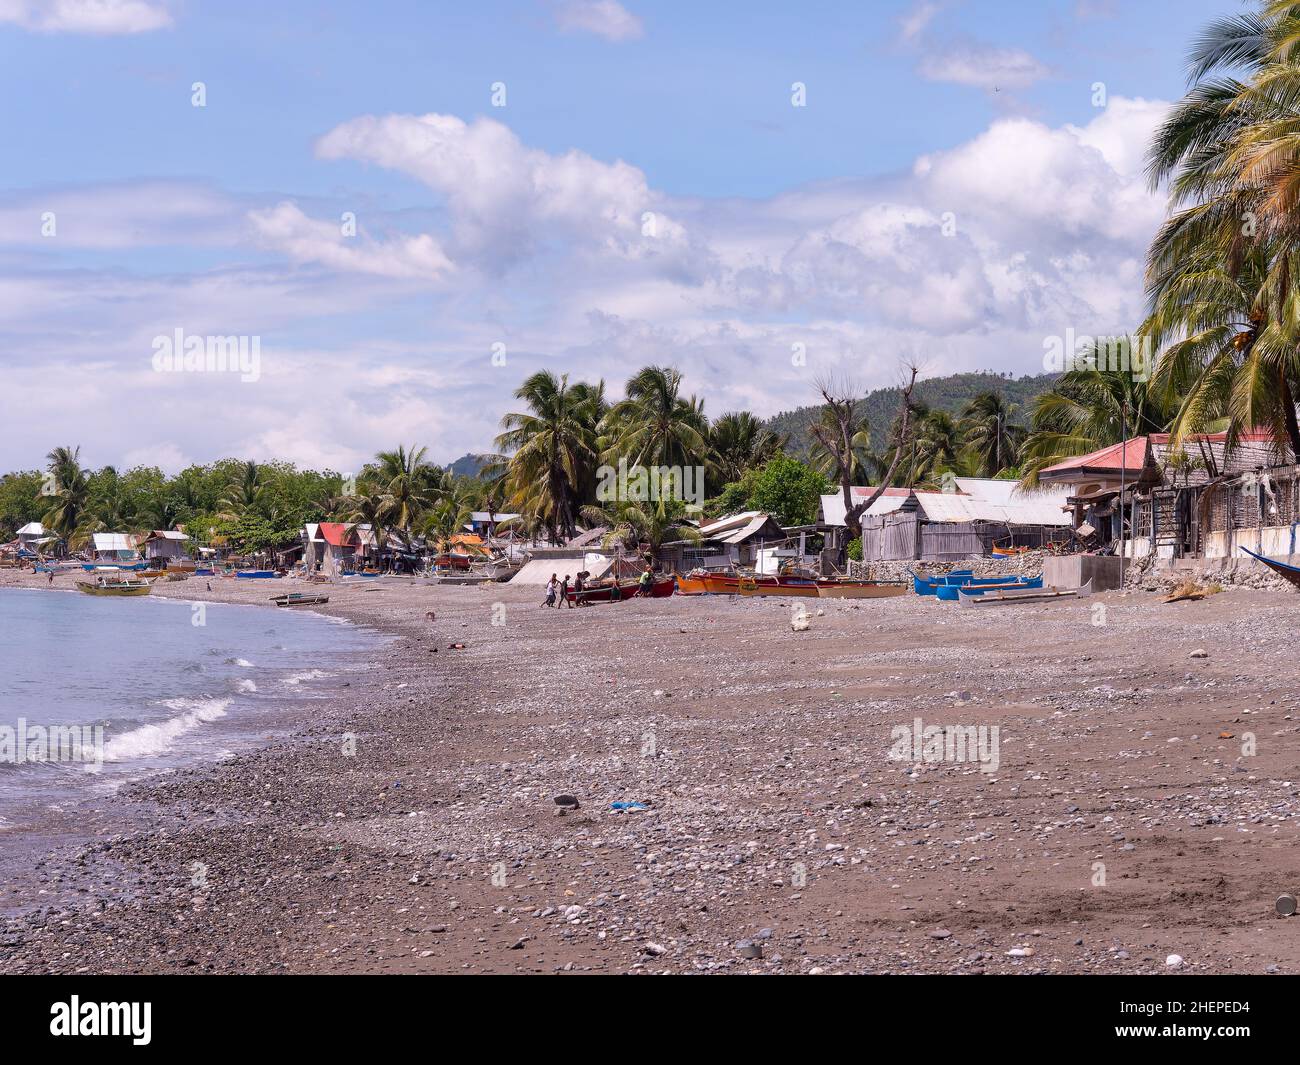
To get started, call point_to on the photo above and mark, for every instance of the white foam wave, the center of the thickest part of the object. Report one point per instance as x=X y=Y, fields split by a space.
x=154 y=739
x=311 y=674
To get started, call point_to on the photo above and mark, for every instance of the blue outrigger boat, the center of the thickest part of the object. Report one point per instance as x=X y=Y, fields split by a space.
x=950 y=593
x=928 y=585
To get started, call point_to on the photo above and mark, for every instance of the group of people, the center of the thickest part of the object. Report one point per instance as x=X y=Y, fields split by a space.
x=560 y=588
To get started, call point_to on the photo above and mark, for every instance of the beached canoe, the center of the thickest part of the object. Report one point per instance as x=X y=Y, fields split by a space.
x=300 y=599
x=846 y=589
x=976 y=597
x=952 y=592
x=604 y=593
x=762 y=584
x=255 y=574
x=115 y=586
x=1282 y=569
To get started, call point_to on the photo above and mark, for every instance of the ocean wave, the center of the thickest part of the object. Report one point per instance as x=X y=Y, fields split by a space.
x=311 y=674
x=148 y=740
x=246 y=685
x=243 y=663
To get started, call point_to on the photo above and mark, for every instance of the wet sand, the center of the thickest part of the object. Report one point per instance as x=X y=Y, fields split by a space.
x=1122 y=824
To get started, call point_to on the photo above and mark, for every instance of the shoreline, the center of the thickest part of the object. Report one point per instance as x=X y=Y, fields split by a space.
x=437 y=846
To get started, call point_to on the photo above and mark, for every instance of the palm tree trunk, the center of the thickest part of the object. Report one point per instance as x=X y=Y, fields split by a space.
x=1288 y=410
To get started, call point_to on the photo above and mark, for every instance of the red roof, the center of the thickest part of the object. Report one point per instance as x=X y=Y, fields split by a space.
x=338 y=533
x=1130 y=455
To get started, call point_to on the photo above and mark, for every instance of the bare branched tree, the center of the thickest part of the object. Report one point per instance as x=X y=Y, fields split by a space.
x=836 y=432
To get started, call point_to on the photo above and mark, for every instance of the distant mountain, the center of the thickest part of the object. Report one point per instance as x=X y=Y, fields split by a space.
x=950 y=393
x=468 y=465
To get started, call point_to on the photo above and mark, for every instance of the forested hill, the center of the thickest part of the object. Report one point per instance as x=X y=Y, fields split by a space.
x=950 y=393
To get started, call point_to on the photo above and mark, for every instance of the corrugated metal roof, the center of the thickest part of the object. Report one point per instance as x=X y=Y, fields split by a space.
x=892 y=499
x=113 y=541
x=167 y=534
x=32 y=528
x=956 y=506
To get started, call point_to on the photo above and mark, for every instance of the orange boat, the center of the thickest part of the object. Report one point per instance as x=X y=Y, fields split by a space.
x=694 y=583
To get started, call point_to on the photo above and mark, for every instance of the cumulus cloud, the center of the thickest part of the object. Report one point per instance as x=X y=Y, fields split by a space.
x=286 y=228
x=964 y=261
x=605 y=18
x=505 y=199
x=86 y=16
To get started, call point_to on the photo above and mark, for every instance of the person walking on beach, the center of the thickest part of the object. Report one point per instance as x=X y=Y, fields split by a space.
x=644 y=582
x=564 y=592
x=550 y=591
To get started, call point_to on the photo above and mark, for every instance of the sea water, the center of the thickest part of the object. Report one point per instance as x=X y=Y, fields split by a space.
x=151 y=684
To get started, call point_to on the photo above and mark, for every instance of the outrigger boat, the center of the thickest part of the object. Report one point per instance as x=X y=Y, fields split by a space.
x=1282 y=569
x=929 y=585
x=115 y=586
x=255 y=574
x=604 y=593
x=978 y=596
x=851 y=589
x=950 y=593
x=300 y=599
x=694 y=583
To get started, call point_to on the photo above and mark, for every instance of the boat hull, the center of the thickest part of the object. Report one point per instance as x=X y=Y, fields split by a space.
x=952 y=592
x=605 y=593
x=859 y=590
x=1282 y=569
x=108 y=589
x=692 y=585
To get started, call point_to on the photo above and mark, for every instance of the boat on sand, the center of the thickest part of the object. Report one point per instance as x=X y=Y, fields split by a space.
x=119 y=586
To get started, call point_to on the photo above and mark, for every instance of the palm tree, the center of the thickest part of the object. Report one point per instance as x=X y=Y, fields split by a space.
x=1088 y=409
x=246 y=493
x=1224 y=312
x=738 y=442
x=409 y=486
x=549 y=450
x=655 y=425
x=68 y=489
x=642 y=525
x=990 y=432
x=447 y=518
x=829 y=455
x=937 y=446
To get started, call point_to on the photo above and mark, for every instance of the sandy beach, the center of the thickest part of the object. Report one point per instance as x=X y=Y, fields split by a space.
x=1123 y=823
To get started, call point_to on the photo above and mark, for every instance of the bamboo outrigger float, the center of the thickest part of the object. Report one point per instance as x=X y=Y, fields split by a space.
x=981 y=596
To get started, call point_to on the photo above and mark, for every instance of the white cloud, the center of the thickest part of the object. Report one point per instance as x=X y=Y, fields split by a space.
x=914 y=21
x=983 y=66
x=285 y=228
x=1046 y=229
x=604 y=18
x=86 y=16
x=505 y=198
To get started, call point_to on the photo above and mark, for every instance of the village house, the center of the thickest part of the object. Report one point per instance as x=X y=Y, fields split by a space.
x=166 y=545
x=113 y=547
x=975 y=515
x=1147 y=497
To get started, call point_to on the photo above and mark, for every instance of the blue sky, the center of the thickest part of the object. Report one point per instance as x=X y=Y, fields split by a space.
x=525 y=225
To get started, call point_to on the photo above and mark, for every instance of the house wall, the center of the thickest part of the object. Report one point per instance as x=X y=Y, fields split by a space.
x=165 y=549
x=1277 y=541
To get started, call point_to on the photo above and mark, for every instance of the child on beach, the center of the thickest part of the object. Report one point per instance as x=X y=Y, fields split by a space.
x=564 y=592
x=550 y=591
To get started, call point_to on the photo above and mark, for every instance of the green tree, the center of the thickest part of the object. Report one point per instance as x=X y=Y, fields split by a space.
x=788 y=490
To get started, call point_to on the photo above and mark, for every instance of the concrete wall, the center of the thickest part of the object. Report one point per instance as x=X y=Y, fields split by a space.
x=1272 y=540
x=1073 y=571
